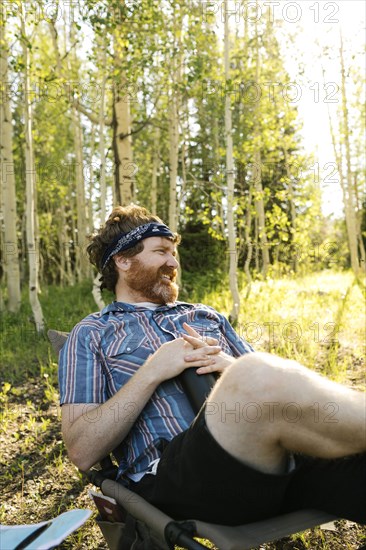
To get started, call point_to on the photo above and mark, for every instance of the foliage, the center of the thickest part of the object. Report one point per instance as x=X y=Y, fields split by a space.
x=140 y=44
x=201 y=252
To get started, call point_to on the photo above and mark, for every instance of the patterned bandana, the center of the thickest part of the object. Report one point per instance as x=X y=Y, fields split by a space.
x=128 y=240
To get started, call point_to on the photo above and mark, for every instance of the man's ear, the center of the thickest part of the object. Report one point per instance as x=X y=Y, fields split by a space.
x=122 y=263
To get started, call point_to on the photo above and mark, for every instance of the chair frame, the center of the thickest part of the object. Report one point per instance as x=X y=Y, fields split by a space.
x=171 y=532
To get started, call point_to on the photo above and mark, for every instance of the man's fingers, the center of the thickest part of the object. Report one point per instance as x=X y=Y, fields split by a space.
x=207 y=369
x=203 y=354
x=200 y=362
x=193 y=333
x=198 y=342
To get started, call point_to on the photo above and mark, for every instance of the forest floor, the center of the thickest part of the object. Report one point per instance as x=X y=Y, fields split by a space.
x=317 y=319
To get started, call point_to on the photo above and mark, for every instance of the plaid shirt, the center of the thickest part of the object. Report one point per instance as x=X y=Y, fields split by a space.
x=105 y=349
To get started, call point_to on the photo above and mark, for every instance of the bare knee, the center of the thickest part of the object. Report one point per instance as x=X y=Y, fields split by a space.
x=241 y=412
x=259 y=376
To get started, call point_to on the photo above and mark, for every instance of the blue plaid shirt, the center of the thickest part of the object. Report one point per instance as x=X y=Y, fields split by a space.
x=105 y=349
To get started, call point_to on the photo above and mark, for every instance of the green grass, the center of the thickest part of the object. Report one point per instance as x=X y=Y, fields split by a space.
x=23 y=350
x=317 y=319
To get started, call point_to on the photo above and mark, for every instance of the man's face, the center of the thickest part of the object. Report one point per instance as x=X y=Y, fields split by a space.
x=153 y=271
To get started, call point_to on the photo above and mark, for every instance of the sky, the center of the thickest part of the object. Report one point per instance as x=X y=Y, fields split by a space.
x=320 y=23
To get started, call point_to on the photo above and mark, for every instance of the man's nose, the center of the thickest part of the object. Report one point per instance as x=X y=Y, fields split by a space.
x=172 y=261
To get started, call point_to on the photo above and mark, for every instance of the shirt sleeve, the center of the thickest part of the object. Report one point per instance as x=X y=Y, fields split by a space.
x=81 y=377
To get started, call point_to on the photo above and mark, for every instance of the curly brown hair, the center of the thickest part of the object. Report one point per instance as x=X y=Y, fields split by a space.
x=121 y=220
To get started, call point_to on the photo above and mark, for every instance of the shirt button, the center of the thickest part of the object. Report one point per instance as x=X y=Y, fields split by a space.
x=128 y=349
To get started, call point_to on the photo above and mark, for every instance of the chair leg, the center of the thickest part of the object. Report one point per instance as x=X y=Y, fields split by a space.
x=182 y=535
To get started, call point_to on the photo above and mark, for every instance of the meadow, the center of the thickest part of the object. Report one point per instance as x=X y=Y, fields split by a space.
x=317 y=319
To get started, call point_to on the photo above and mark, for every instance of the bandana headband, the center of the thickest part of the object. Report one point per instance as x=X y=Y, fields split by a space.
x=124 y=241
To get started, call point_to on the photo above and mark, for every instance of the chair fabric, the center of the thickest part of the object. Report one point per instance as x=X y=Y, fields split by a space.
x=131 y=534
x=57 y=339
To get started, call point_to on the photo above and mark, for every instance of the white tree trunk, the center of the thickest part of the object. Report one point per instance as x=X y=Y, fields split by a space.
x=174 y=106
x=291 y=196
x=259 y=199
x=91 y=182
x=10 y=251
x=349 y=194
x=82 y=264
x=96 y=292
x=122 y=143
x=173 y=161
x=66 y=276
x=155 y=173
x=32 y=244
x=83 y=270
x=248 y=242
x=103 y=188
x=230 y=176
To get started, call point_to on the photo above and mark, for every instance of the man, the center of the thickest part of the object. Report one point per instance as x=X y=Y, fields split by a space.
x=273 y=435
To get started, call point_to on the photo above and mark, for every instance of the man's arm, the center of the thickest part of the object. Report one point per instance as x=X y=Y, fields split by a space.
x=92 y=431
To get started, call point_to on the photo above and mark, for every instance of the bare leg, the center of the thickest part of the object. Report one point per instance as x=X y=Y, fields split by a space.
x=264 y=407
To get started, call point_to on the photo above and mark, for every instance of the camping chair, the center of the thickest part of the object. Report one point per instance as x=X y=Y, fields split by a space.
x=145 y=527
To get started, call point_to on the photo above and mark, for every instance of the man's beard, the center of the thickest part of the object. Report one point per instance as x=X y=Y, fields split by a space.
x=150 y=284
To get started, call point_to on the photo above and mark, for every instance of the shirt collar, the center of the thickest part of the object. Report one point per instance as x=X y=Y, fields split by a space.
x=125 y=307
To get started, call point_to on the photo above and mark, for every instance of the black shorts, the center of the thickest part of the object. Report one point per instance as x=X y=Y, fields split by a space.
x=196 y=478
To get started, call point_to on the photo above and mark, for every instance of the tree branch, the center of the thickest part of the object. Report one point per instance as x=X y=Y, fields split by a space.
x=73 y=101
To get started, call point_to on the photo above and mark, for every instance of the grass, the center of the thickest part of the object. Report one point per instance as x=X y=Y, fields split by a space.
x=317 y=319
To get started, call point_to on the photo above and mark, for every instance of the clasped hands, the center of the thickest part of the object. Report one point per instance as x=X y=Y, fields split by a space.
x=189 y=350
x=217 y=360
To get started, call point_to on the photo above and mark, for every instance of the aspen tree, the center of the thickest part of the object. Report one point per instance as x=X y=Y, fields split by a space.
x=348 y=185
x=230 y=179
x=259 y=193
x=30 y=177
x=174 y=113
x=8 y=195
x=122 y=140
x=155 y=172
x=102 y=153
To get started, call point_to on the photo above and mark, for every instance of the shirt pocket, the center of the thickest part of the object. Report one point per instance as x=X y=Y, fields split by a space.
x=211 y=329
x=125 y=347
